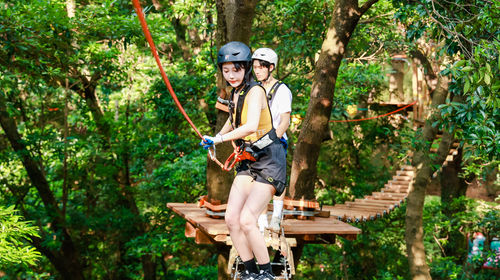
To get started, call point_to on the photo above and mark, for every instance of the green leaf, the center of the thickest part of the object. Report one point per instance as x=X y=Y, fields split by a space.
x=460 y=63
x=487 y=78
x=466 y=86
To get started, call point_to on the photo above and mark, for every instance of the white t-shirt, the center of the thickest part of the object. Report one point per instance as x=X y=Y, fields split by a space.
x=280 y=103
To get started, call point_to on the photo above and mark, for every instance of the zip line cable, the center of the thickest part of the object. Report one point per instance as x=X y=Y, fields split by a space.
x=147 y=34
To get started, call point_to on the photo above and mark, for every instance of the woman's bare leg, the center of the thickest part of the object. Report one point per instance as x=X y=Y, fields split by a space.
x=237 y=198
x=259 y=196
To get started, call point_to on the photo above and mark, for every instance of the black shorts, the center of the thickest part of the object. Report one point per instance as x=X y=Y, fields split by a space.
x=270 y=168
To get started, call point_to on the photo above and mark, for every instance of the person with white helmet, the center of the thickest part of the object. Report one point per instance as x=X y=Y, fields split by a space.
x=265 y=62
x=263 y=172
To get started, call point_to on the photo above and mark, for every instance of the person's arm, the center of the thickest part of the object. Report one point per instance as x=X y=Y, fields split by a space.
x=284 y=101
x=226 y=128
x=284 y=123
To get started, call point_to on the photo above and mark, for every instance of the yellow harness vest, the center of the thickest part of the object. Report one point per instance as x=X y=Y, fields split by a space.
x=265 y=121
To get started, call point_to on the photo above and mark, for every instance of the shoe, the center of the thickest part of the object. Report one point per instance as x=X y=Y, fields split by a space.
x=265 y=275
x=248 y=275
x=275 y=223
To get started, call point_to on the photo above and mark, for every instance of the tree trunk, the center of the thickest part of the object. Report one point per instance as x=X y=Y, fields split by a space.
x=414 y=233
x=346 y=15
x=222 y=262
x=67 y=260
x=453 y=186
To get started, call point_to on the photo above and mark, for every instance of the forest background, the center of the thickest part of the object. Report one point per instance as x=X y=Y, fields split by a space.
x=92 y=146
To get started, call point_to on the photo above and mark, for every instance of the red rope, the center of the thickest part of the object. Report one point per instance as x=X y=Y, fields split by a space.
x=380 y=116
x=144 y=25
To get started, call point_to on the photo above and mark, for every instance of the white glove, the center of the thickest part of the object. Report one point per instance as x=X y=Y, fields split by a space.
x=209 y=141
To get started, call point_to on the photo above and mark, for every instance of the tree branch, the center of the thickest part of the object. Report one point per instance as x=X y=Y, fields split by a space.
x=367 y=6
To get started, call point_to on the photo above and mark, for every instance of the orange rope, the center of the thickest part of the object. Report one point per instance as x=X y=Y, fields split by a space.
x=144 y=25
x=380 y=116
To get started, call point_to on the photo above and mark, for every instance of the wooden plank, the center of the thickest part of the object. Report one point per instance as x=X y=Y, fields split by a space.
x=352 y=208
x=407 y=167
x=354 y=214
x=301 y=203
x=370 y=199
x=364 y=212
x=384 y=203
x=409 y=173
x=351 y=205
x=198 y=218
x=385 y=194
x=309 y=229
x=389 y=196
x=190 y=230
x=202 y=238
x=386 y=199
x=398 y=183
x=402 y=178
x=395 y=190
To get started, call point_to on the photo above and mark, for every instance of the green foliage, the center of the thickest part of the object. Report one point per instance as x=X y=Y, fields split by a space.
x=379 y=252
x=469 y=37
x=15 y=235
x=469 y=217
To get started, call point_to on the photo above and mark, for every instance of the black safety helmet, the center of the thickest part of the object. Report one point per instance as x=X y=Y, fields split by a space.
x=236 y=52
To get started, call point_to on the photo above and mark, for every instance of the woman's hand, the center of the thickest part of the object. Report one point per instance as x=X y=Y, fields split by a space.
x=209 y=141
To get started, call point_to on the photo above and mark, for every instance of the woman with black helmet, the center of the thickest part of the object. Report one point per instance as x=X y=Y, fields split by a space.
x=257 y=179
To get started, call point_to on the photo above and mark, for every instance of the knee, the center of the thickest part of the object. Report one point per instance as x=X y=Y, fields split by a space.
x=232 y=221
x=247 y=222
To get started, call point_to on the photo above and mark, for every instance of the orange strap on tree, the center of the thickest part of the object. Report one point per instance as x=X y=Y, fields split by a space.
x=380 y=116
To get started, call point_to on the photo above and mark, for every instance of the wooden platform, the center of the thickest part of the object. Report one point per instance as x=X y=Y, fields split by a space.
x=208 y=230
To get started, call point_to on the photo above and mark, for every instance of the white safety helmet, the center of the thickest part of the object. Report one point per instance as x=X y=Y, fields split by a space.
x=266 y=54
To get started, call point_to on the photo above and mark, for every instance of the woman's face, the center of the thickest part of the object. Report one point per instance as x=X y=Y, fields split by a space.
x=232 y=75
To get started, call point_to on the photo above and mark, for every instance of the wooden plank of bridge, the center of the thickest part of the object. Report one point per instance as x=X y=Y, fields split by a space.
x=397 y=183
x=402 y=178
x=341 y=210
x=410 y=173
x=389 y=195
x=354 y=205
x=391 y=204
x=394 y=189
x=353 y=215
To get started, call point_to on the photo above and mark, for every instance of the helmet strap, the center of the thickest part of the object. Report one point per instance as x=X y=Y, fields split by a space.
x=269 y=71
